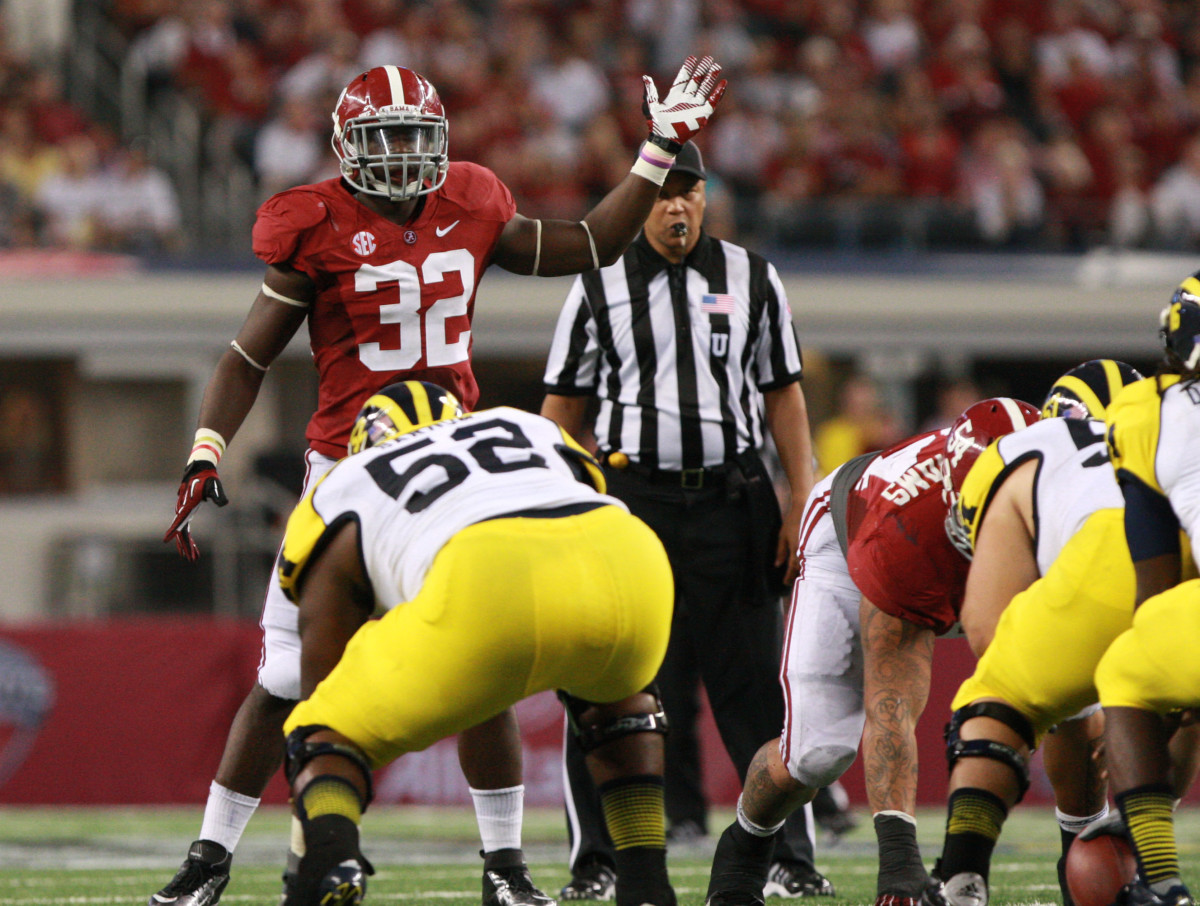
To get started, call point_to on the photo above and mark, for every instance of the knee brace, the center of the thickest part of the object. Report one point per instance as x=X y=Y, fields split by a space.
x=591 y=738
x=300 y=752
x=820 y=766
x=957 y=748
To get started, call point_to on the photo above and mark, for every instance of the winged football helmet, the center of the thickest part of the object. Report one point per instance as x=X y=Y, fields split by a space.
x=398 y=409
x=1180 y=326
x=1086 y=390
x=390 y=134
x=978 y=426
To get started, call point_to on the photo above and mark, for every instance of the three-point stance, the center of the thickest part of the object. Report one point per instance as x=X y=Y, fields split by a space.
x=504 y=571
x=878 y=580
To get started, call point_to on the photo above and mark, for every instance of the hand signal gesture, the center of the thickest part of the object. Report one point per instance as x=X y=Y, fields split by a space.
x=688 y=105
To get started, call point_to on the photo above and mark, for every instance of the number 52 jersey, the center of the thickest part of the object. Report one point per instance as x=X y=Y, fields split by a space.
x=412 y=495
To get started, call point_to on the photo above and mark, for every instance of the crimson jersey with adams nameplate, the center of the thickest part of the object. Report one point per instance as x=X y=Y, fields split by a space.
x=897 y=551
x=394 y=302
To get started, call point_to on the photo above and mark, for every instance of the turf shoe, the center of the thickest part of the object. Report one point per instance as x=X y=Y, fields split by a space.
x=966 y=888
x=592 y=880
x=200 y=879
x=512 y=887
x=1138 y=893
x=789 y=879
x=333 y=871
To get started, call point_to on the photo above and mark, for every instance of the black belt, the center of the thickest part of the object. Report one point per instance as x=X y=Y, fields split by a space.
x=688 y=479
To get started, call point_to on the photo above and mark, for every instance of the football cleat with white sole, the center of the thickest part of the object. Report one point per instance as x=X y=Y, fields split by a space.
x=1138 y=893
x=200 y=879
x=786 y=879
x=963 y=889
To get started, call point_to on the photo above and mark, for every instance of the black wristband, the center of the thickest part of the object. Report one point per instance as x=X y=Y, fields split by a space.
x=669 y=145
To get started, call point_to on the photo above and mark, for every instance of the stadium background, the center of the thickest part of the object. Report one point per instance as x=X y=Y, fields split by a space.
x=941 y=206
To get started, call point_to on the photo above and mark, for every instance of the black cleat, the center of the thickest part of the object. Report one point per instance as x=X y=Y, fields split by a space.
x=740 y=867
x=1138 y=893
x=593 y=880
x=343 y=885
x=200 y=879
x=512 y=887
x=787 y=879
x=732 y=898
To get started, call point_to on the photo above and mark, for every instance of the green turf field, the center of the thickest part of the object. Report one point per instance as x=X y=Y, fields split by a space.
x=64 y=857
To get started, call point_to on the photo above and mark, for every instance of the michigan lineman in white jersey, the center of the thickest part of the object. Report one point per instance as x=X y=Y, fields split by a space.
x=502 y=572
x=1050 y=587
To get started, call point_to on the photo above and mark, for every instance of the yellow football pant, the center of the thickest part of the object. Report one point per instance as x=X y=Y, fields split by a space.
x=1153 y=665
x=510 y=607
x=1051 y=636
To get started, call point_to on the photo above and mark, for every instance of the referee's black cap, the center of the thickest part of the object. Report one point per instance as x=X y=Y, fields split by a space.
x=689 y=161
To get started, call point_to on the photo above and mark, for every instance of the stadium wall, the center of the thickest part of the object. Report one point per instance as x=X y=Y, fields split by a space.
x=136 y=712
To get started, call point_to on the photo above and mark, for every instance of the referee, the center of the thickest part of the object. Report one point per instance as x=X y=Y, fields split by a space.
x=688 y=344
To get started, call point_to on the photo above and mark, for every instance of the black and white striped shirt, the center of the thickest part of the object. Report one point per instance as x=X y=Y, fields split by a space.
x=679 y=355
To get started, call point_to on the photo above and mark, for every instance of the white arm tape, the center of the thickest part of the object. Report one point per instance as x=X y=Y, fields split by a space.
x=537 y=255
x=267 y=291
x=237 y=347
x=592 y=244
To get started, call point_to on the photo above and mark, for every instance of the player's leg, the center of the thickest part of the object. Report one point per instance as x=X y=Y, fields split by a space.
x=253 y=749
x=490 y=757
x=1026 y=682
x=1147 y=676
x=624 y=745
x=252 y=754
x=1070 y=755
x=823 y=719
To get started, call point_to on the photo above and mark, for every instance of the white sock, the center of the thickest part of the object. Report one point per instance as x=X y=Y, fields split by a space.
x=1073 y=824
x=750 y=827
x=226 y=815
x=499 y=813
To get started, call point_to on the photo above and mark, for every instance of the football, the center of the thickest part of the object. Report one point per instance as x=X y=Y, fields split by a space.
x=1098 y=868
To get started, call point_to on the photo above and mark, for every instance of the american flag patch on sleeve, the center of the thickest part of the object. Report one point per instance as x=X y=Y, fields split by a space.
x=718 y=304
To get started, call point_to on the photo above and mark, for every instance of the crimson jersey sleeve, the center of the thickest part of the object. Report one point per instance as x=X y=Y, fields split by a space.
x=897 y=553
x=282 y=221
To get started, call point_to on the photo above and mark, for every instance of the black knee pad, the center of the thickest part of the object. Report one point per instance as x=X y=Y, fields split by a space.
x=591 y=738
x=300 y=752
x=957 y=748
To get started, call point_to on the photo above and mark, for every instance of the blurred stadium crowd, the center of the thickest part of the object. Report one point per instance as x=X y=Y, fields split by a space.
x=1014 y=124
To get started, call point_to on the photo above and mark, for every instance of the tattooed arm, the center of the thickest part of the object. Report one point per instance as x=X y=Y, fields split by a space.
x=897 y=661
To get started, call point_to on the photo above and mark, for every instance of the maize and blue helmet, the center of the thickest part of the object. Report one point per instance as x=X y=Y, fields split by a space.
x=398 y=409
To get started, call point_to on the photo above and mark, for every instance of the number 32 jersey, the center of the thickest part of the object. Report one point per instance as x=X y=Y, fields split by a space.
x=410 y=496
x=393 y=302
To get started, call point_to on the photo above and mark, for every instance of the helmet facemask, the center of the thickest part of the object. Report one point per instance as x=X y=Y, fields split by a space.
x=393 y=154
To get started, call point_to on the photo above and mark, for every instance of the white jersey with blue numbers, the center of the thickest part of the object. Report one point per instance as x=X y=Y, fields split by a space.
x=1074 y=479
x=410 y=496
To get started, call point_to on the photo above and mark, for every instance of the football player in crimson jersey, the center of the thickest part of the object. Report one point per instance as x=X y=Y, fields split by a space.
x=383 y=263
x=878 y=581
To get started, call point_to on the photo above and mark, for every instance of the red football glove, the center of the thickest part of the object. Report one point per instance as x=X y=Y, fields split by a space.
x=688 y=105
x=200 y=483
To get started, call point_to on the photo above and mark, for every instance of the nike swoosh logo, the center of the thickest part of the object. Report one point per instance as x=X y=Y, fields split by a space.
x=442 y=232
